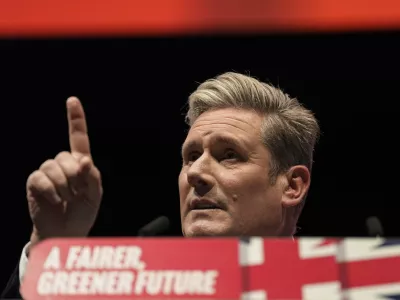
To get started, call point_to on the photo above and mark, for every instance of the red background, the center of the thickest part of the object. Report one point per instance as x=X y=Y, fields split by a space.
x=122 y=17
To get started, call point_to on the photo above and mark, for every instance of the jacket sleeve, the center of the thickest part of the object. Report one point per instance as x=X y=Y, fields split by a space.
x=11 y=290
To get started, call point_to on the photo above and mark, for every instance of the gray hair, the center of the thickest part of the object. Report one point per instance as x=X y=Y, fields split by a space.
x=289 y=131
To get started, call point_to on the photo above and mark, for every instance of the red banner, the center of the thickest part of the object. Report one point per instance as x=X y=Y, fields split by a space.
x=157 y=17
x=140 y=268
x=254 y=269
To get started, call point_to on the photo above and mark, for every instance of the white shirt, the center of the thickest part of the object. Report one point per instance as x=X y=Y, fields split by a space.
x=23 y=263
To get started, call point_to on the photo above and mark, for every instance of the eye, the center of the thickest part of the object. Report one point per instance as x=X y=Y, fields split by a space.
x=230 y=155
x=193 y=156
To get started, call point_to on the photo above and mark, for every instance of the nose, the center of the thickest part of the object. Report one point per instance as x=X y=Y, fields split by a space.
x=200 y=178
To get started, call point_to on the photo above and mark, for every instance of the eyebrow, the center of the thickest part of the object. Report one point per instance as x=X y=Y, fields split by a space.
x=227 y=140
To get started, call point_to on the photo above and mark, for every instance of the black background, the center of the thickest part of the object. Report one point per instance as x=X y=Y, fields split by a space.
x=134 y=93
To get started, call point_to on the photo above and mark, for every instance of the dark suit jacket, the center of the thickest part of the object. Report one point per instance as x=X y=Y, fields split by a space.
x=11 y=291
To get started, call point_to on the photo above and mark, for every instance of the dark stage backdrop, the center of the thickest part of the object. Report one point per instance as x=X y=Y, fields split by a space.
x=134 y=92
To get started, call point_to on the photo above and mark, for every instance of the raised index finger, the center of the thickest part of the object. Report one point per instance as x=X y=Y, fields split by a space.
x=78 y=136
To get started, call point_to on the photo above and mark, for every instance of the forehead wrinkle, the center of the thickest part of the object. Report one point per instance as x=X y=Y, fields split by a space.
x=237 y=115
x=221 y=124
x=213 y=118
x=239 y=139
x=219 y=120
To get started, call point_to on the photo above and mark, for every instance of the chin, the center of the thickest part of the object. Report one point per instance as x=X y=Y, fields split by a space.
x=206 y=229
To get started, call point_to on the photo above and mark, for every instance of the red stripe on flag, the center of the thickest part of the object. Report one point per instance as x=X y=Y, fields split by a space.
x=371 y=272
x=284 y=273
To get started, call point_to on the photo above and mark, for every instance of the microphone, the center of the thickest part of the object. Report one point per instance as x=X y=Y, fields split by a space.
x=155 y=227
x=374 y=227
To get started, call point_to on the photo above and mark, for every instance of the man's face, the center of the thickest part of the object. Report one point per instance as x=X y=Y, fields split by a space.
x=224 y=185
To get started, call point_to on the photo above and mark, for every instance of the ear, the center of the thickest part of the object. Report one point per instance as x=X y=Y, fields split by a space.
x=298 y=182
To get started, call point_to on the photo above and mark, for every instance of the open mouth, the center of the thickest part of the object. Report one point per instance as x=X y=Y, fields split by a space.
x=205 y=206
x=201 y=204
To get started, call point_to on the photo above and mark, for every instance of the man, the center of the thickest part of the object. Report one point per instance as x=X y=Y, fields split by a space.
x=246 y=168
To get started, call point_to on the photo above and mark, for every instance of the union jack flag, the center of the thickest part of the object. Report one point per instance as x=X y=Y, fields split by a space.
x=320 y=269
